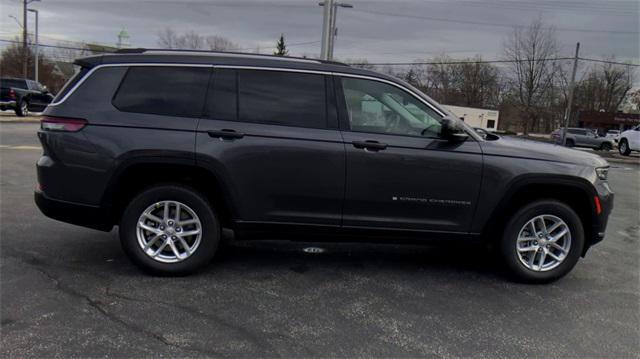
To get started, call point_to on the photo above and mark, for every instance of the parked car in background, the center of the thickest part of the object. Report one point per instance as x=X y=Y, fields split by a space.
x=629 y=141
x=174 y=147
x=614 y=135
x=583 y=137
x=23 y=96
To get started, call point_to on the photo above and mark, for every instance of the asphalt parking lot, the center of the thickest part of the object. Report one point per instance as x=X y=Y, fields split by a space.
x=69 y=291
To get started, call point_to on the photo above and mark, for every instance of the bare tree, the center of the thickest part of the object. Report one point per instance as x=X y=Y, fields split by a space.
x=11 y=61
x=219 y=43
x=604 y=87
x=532 y=74
x=478 y=83
x=191 y=40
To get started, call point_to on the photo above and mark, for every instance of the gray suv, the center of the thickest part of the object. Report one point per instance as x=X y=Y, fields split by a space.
x=583 y=137
x=184 y=150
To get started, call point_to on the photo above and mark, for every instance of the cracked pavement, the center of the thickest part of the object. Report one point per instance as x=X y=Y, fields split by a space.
x=67 y=291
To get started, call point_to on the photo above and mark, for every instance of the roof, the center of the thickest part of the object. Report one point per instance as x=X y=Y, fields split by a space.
x=221 y=58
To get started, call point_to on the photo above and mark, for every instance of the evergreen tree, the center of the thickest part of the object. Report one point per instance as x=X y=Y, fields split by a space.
x=281 y=48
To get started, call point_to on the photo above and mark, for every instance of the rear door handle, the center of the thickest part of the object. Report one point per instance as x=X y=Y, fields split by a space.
x=369 y=145
x=225 y=133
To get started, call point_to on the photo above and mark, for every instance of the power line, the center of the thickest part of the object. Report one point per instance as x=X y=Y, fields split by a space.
x=84 y=48
x=380 y=63
x=487 y=23
x=486 y=62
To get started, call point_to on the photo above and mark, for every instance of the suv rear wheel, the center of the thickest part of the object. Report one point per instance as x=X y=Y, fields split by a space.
x=170 y=230
x=22 y=109
x=542 y=242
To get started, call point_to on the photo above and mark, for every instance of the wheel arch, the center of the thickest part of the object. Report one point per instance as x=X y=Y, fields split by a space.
x=575 y=192
x=136 y=175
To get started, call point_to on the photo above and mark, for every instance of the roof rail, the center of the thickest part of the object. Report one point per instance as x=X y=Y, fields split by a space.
x=141 y=50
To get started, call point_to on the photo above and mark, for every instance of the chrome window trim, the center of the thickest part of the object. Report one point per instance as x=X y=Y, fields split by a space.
x=96 y=68
x=240 y=67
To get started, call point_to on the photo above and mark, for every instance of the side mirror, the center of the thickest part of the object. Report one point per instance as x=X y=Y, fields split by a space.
x=451 y=131
x=45 y=89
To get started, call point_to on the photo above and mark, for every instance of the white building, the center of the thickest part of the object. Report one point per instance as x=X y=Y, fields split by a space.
x=476 y=117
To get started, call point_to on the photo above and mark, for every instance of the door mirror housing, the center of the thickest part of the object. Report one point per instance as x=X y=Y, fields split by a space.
x=451 y=131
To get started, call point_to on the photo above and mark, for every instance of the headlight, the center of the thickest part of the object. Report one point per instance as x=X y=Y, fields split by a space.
x=602 y=172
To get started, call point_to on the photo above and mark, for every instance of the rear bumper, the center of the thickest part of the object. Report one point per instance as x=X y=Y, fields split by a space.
x=8 y=104
x=74 y=213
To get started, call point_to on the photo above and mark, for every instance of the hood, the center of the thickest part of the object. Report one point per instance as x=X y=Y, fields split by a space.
x=515 y=147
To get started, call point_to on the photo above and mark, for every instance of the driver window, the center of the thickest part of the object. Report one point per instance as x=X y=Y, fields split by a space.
x=376 y=107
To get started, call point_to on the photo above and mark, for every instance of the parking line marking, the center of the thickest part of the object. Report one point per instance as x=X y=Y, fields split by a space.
x=22 y=147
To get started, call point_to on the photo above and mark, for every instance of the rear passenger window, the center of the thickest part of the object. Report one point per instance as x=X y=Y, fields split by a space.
x=163 y=90
x=282 y=98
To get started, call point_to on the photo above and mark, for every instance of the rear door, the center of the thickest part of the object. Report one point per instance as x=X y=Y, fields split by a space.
x=272 y=137
x=400 y=173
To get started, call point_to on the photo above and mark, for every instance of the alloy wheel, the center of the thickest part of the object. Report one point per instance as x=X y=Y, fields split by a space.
x=169 y=231
x=543 y=243
x=24 y=108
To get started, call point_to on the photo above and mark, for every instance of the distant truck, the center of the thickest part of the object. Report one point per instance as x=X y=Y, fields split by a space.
x=23 y=96
x=583 y=137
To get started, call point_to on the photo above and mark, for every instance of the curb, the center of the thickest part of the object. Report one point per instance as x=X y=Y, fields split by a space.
x=623 y=161
x=20 y=121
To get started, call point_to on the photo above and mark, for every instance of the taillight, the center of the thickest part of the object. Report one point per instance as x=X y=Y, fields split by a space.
x=12 y=94
x=62 y=124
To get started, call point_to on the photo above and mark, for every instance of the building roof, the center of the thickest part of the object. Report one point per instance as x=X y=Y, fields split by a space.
x=610 y=118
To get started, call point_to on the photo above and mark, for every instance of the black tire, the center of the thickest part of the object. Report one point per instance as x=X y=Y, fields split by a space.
x=606 y=146
x=516 y=269
x=623 y=147
x=570 y=143
x=22 y=109
x=210 y=237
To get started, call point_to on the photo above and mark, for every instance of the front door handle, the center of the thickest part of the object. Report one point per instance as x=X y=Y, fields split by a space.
x=225 y=134
x=370 y=145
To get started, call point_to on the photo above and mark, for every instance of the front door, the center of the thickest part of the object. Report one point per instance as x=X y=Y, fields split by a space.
x=400 y=173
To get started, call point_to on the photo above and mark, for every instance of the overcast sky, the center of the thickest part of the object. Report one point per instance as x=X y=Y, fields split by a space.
x=378 y=30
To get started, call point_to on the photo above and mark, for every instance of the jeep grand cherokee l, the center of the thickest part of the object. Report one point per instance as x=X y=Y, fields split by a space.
x=177 y=148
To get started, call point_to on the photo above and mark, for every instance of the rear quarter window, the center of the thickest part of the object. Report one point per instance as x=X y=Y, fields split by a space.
x=163 y=90
x=71 y=84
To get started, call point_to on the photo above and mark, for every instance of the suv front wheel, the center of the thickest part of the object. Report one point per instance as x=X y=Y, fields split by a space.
x=170 y=230
x=542 y=242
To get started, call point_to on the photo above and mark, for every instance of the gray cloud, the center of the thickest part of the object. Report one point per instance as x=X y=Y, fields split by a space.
x=401 y=30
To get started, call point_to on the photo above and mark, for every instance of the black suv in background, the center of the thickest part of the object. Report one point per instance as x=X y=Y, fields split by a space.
x=174 y=147
x=23 y=96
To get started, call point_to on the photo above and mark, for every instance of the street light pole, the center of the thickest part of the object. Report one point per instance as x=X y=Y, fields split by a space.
x=37 y=44
x=25 y=55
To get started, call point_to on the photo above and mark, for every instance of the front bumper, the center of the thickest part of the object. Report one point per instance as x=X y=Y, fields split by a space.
x=599 y=224
x=74 y=213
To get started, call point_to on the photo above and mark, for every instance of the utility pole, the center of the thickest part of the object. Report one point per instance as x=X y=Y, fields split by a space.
x=25 y=54
x=567 y=113
x=326 y=29
x=329 y=30
x=37 y=45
